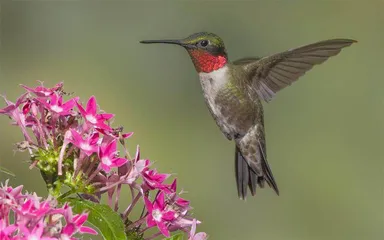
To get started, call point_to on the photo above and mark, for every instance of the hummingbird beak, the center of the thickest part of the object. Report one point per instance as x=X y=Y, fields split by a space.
x=176 y=42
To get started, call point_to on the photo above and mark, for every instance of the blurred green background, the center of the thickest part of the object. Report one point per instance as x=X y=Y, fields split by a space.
x=324 y=134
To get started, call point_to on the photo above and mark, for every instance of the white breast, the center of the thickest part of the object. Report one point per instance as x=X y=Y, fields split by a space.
x=211 y=83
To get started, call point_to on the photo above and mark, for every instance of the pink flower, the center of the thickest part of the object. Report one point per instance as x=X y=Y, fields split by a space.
x=27 y=217
x=158 y=215
x=35 y=232
x=109 y=157
x=6 y=230
x=12 y=110
x=92 y=117
x=181 y=202
x=133 y=169
x=62 y=144
x=57 y=106
x=197 y=236
x=154 y=180
x=88 y=146
x=75 y=223
x=42 y=91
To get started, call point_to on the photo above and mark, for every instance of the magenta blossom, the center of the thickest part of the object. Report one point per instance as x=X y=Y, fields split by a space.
x=196 y=236
x=154 y=180
x=88 y=146
x=27 y=216
x=109 y=158
x=92 y=117
x=158 y=215
x=57 y=106
x=76 y=151
x=75 y=223
x=42 y=91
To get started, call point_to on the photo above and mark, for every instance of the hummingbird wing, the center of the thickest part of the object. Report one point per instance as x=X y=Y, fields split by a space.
x=273 y=73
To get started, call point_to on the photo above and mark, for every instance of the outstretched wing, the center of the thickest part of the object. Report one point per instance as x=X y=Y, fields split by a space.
x=273 y=73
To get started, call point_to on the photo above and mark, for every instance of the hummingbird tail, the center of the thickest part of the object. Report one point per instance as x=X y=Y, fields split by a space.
x=246 y=177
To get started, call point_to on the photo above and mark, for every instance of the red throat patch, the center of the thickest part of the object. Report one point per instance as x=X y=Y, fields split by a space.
x=206 y=62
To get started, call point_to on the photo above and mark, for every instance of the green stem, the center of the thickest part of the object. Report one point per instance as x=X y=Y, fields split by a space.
x=66 y=194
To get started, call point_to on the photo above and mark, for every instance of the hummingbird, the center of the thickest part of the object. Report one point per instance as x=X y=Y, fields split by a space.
x=234 y=91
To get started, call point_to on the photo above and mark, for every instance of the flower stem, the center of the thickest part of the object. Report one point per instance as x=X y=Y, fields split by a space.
x=66 y=194
x=134 y=224
x=130 y=207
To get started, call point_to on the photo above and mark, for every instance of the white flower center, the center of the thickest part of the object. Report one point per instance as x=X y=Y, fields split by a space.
x=57 y=108
x=85 y=146
x=33 y=237
x=91 y=119
x=106 y=161
x=46 y=93
x=156 y=214
x=64 y=237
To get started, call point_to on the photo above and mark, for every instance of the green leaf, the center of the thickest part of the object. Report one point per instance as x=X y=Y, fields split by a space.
x=4 y=170
x=102 y=217
x=175 y=237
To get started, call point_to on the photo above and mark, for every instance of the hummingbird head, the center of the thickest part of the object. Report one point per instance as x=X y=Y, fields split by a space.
x=206 y=50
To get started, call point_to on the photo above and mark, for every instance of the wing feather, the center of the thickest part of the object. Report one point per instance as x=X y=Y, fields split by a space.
x=273 y=73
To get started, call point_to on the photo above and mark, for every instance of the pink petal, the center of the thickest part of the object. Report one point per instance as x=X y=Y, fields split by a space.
x=173 y=186
x=127 y=135
x=193 y=228
x=119 y=161
x=88 y=230
x=182 y=202
x=148 y=205
x=105 y=167
x=39 y=229
x=69 y=105
x=21 y=99
x=27 y=108
x=80 y=219
x=150 y=221
x=137 y=156
x=200 y=236
x=163 y=229
x=54 y=99
x=77 y=139
x=60 y=101
x=111 y=148
x=168 y=216
x=91 y=106
x=94 y=138
x=159 y=201
x=7 y=109
x=81 y=109
x=9 y=229
x=103 y=126
x=142 y=165
x=69 y=229
x=105 y=116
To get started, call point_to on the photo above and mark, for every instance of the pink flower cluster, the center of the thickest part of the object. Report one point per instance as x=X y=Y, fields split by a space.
x=76 y=146
x=27 y=216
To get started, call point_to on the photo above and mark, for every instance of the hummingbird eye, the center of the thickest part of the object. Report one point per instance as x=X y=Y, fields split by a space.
x=204 y=43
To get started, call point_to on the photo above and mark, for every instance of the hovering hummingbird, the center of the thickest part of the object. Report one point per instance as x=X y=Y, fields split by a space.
x=233 y=92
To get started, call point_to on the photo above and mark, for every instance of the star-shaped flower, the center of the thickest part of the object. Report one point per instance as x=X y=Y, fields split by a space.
x=88 y=145
x=92 y=117
x=56 y=105
x=158 y=215
x=42 y=91
x=109 y=157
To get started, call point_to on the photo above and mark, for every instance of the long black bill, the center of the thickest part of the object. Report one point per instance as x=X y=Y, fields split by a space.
x=177 y=42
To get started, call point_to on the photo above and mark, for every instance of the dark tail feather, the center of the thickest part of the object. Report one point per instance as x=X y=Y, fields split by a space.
x=242 y=174
x=268 y=176
x=246 y=177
